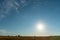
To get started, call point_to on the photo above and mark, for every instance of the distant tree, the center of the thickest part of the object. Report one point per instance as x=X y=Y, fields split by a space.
x=18 y=35
x=8 y=35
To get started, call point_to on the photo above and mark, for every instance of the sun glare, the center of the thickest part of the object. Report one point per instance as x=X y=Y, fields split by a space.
x=40 y=27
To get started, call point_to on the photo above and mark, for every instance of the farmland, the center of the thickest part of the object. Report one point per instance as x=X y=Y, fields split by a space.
x=29 y=38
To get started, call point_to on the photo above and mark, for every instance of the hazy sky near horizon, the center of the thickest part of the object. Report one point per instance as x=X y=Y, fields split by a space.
x=21 y=17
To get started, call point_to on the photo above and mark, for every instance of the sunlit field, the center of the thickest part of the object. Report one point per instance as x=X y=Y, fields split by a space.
x=29 y=38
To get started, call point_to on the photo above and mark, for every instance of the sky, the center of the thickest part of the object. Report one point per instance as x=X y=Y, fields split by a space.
x=20 y=17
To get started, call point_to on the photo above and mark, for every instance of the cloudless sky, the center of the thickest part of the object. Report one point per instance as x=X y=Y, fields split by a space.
x=21 y=16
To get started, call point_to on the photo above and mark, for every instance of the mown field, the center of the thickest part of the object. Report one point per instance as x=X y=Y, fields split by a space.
x=29 y=38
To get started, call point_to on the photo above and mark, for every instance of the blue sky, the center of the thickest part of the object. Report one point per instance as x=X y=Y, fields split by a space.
x=21 y=16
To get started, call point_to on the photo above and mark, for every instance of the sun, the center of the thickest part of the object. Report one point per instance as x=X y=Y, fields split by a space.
x=40 y=27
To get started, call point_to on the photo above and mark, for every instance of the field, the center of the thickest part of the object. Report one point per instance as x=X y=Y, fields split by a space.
x=29 y=38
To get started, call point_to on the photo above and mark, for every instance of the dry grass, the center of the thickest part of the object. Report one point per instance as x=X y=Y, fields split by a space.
x=29 y=38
